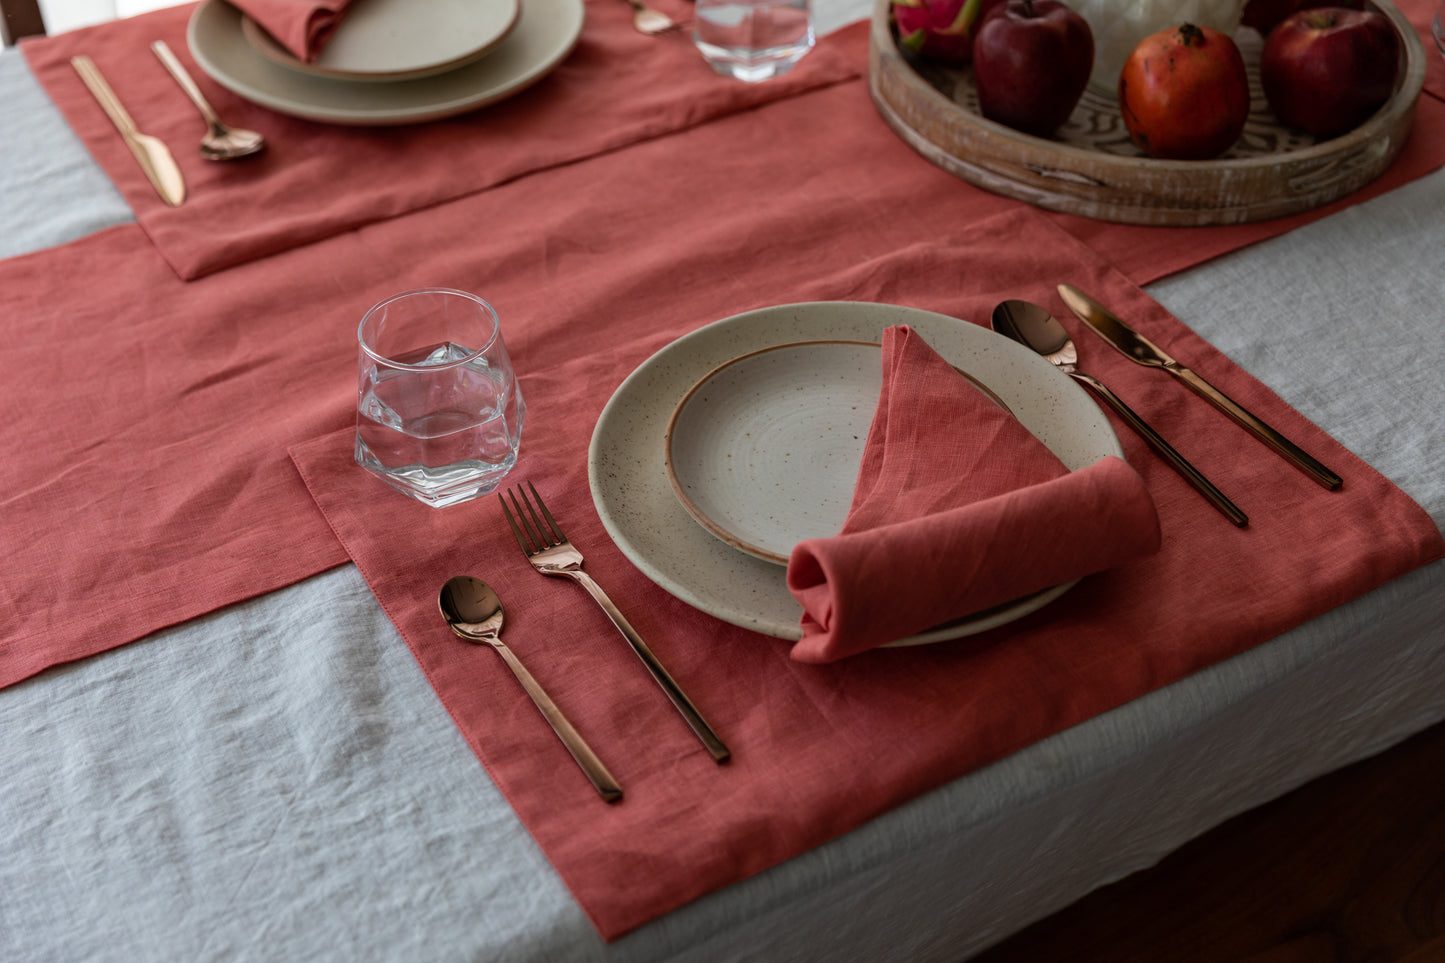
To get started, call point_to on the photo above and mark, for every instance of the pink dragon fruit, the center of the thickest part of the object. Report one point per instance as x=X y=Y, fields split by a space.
x=940 y=30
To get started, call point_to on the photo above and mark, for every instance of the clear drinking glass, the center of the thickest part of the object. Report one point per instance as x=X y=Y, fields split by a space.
x=439 y=412
x=1437 y=27
x=753 y=40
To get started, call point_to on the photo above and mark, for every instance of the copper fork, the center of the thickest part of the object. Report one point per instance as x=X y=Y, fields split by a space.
x=649 y=21
x=547 y=548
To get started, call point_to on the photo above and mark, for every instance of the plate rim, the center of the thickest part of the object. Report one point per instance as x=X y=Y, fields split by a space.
x=600 y=461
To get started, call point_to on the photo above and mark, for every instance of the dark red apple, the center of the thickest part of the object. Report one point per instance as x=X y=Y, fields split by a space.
x=1184 y=93
x=1265 y=15
x=1031 y=62
x=1327 y=70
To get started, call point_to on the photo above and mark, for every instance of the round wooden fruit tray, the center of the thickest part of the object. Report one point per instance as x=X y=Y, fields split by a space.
x=1091 y=168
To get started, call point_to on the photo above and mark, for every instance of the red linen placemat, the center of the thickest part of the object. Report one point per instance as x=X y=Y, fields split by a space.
x=315 y=180
x=818 y=750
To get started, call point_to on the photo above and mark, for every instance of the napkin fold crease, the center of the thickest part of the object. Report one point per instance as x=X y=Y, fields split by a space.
x=958 y=508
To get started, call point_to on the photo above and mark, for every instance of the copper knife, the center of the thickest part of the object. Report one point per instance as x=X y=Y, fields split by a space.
x=1143 y=351
x=151 y=153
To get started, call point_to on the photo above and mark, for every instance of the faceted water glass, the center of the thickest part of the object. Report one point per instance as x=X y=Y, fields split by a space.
x=753 y=40
x=439 y=413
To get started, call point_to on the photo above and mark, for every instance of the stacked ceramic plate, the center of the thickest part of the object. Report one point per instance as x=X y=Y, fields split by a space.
x=391 y=61
x=731 y=444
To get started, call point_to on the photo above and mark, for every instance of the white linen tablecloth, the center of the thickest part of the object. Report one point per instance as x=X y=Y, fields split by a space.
x=278 y=781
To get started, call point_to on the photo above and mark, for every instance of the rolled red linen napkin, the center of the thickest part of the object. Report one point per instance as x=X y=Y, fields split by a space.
x=958 y=508
x=301 y=26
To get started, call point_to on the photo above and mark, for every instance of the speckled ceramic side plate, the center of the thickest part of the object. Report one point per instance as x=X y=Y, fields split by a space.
x=634 y=497
x=386 y=40
x=764 y=450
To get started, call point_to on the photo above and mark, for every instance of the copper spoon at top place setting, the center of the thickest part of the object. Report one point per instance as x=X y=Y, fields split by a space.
x=220 y=142
x=1033 y=327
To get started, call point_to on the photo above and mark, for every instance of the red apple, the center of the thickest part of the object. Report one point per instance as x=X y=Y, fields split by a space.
x=1184 y=93
x=1031 y=62
x=1326 y=71
x=1265 y=15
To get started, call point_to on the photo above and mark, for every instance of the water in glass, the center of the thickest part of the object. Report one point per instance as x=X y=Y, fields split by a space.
x=753 y=40
x=441 y=423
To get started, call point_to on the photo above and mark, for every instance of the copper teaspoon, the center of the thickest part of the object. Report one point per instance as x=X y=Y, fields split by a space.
x=220 y=142
x=474 y=611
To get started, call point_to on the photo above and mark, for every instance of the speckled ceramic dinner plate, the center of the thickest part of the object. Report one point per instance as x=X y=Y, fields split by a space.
x=635 y=499
x=383 y=40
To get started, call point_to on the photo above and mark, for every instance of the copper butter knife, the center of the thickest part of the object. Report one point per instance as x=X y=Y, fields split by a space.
x=152 y=155
x=1140 y=349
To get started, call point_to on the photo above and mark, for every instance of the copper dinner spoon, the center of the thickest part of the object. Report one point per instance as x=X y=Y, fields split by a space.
x=1034 y=327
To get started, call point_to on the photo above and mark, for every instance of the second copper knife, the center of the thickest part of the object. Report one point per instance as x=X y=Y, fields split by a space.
x=1143 y=351
x=152 y=155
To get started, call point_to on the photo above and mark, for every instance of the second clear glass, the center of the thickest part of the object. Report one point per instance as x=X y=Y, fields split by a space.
x=753 y=40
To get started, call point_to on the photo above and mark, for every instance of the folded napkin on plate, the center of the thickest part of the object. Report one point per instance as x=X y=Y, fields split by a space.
x=958 y=508
x=301 y=26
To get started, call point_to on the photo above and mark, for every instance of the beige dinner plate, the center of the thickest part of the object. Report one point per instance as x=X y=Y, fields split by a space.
x=385 y=40
x=545 y=33
x=635 y=499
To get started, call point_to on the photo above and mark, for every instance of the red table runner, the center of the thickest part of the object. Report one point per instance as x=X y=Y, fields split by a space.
x=159 y=432
x=315 y=180
x=818 y=750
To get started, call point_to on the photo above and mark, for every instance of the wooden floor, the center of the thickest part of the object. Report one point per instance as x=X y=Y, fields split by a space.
x=1348 y=869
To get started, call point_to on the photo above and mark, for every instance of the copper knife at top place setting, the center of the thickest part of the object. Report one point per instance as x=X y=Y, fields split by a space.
x=1143 y=351
x=151 y=153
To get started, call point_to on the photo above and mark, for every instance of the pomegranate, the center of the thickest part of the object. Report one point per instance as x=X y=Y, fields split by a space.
x=1184 y=93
